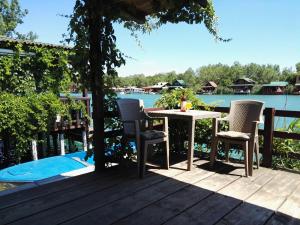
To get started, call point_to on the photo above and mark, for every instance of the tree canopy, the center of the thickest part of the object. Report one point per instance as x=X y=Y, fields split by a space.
x=91 y=30
x=11 y=15
x=223 y=75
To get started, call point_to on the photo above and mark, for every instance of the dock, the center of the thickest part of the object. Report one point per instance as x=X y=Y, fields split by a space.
x=175 y=196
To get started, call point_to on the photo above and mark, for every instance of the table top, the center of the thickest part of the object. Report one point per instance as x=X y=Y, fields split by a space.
x=190 y=114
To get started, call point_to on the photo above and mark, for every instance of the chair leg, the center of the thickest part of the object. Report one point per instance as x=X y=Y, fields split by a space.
x=251 y=145
x=167 y=154
x=139 y=148
x=246 y=160
x=141 y=156
x=144 y=159
x=257 y=153
x=213 y=151
x=227 y=151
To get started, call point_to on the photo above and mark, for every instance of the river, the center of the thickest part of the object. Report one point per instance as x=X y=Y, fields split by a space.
x=282 y=102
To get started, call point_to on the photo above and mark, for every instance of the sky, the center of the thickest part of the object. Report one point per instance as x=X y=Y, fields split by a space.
x=262 y=31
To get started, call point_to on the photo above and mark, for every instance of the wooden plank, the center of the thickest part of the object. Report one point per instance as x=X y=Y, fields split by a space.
x=261 y=205
x=287 y=113
x=163 y=210
x=124 y=207
x=289 y=212
x=291 y=206
x=246 y=186
x=26 y=195
x=213 y=208
x=283 y=219
x=70 y=209
x=51 y=200
x=268 y=136
x=287 y=135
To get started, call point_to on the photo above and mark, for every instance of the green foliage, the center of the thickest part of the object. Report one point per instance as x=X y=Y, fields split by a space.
x=34 y=69
x=23 y=117
x=178 y=128
x=31 y=80
x=11 y=15
x=223 y=75
x=171 y=100
x=88 y=15
x=285 y=148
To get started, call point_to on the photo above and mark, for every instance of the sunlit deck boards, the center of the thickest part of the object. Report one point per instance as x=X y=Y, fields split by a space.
x=169 y=197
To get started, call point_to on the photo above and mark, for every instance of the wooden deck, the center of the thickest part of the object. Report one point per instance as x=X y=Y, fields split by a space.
x=172 y=197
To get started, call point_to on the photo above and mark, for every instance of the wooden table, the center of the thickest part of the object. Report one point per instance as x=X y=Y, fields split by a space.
x=191 y=116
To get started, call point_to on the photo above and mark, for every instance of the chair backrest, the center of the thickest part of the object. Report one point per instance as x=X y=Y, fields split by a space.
x=130 y=110
x=242 y=113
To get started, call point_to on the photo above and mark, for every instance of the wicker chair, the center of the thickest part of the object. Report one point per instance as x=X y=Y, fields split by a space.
x=244 y=118
x=137 y=126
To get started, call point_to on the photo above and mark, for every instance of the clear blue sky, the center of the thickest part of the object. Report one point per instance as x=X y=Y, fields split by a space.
x=262 y=31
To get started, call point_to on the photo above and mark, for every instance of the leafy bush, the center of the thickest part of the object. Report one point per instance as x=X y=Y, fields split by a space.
x=22 y=118
x=285 y=149
x=178 y=128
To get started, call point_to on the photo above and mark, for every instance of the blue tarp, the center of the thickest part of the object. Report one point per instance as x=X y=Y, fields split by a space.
x=44 y=168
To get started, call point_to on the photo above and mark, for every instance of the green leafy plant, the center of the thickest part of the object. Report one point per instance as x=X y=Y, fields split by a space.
x=285 y=149
x=178 y=128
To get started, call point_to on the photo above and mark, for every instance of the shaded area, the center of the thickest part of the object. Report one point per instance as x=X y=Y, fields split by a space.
x=175 y=196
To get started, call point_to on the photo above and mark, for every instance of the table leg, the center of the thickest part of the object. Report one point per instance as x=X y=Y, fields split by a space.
x=191 y=135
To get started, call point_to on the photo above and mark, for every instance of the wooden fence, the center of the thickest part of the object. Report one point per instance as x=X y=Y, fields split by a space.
x=268 y=132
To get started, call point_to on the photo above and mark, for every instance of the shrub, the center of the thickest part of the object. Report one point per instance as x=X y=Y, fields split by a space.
x=178 y=128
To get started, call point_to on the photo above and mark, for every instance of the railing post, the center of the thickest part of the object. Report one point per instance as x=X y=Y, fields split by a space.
x=268 y=136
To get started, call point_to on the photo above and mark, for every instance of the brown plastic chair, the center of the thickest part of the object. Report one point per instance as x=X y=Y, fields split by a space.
x=137 y=126
x=244 y=118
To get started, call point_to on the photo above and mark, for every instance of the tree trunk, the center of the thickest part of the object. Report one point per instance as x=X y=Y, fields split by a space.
x=96 y=81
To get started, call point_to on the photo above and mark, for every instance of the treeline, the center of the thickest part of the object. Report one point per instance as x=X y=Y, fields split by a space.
x=223 y=75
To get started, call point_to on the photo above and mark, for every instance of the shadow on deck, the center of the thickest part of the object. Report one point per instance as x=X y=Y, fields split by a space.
x=174 y=196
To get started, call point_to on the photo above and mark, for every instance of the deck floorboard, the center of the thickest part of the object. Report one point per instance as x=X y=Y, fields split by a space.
x=175 y=196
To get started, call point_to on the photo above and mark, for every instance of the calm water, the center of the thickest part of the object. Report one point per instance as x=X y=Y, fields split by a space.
x=285 y=102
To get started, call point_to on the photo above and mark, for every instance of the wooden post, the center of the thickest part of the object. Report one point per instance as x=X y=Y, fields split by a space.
x=84 y=141
x=96 y=81
x=44 y=145
x=34 y=150
x=87 y=102
x=55 y=142
x=62 y=144
x=268 y=136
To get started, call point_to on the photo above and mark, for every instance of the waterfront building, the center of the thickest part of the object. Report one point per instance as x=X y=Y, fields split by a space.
x=297 y=86
x=209 y=88
x=274 y=88
x=243 y=86
x=178 y=84
x=157 y=87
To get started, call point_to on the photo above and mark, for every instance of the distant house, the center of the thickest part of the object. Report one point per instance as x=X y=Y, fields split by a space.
x=178 y=84
x=157 y=87
x=243 y=86
x=297 y=86
x=209 y=88
x=274 y=88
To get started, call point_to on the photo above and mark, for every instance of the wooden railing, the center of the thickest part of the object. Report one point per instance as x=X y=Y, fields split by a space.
x=78 y=120
x=268 y=132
